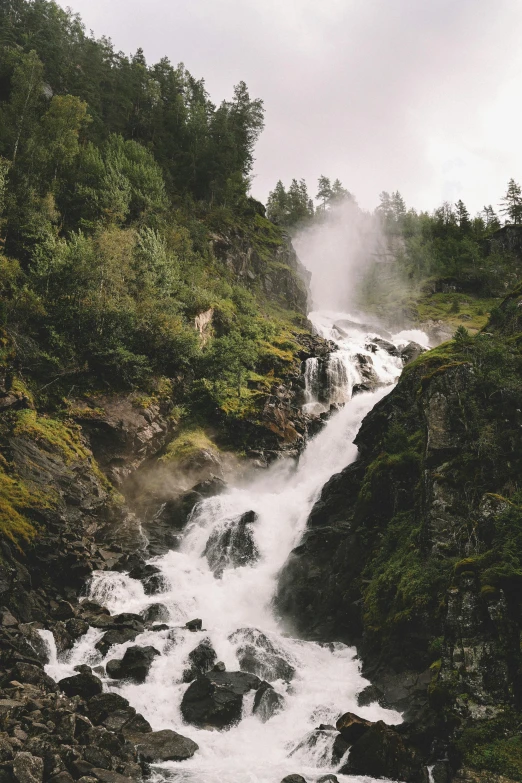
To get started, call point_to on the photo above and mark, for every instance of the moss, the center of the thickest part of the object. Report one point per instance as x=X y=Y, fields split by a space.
x=50 y=433
x=469 y=564
x=187 y=444
x=442 y=370
x=494 y=745
x=17 y=501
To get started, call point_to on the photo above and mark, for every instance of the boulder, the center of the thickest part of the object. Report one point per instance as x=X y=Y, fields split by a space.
x=99 y=707
x=384 y=345
x=150 y=576
x=115 y=636
x=28 y=768
x=155 y=613
x=233 y=545
x=194 y=625
x=108 y=776
x=381 y=752
x=293 y=779
x=258 y=655
x=411 y=352
x=351 y=727
x=201 y=659
x=216 y=699
x=134 y=665
x=84 y=685
x=267 y=702
x=34 y=675
x=166 y=745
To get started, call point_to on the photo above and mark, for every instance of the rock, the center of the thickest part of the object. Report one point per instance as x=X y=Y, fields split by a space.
x=83 y=685
x=76 y=627
x=267 y=702
x=8 y=620
x=382 y=753
x=151 y=577
x=137 y=725
x=194 y=625
x=370 y=695
x=107 y=776
x=384 y=345
x=97 y=757
x=36 y=646
x=28 y=768
x=62 y=777
x=99 y=707
x=293 y=779
x=327 y=779
x=63 y=610
x=166 y=745
x=201 y=659
x=113 y=637
x=134 y=665
x=258 y=655
x=344 y=326
x=219 y=667
x=155 y=613
x=232 y=545
x=34 y=675
x=216 y=699
x=411 y=352
x=351 y=727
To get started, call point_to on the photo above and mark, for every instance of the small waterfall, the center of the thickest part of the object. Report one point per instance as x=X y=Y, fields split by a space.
x=225 y=572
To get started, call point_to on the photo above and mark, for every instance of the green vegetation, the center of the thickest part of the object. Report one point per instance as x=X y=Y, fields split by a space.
x=494 y=745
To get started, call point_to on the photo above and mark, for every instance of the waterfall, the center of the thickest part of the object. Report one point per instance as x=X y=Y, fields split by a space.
x=225 y=572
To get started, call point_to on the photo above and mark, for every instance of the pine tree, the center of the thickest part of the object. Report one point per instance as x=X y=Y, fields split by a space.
x=324 y=191
x=512 y=203
x=491 y=221
x=462 y=215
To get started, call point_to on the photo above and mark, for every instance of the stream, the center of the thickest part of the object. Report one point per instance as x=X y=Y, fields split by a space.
x=203 y=580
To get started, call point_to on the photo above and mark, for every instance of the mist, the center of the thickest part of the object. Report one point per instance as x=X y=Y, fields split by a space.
x=339 y=249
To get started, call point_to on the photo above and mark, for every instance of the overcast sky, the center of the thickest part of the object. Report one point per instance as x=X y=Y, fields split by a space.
x=423 y=96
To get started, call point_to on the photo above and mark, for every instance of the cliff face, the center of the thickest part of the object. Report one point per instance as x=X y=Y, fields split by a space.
x=415 y=551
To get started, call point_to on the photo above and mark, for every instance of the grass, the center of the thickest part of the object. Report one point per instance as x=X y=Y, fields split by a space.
x=456 y=309
x=191 y=440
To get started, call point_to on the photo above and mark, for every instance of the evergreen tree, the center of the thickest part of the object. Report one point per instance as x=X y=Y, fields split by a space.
x=462 y=216
x=324 y=191
x=512 y=203
x=491 y=221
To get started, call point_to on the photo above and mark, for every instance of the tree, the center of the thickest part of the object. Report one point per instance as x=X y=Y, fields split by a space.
x=324 y=191
x=339 y=193
x=57 y=140
x=512 y=203
x=491 y=221
x=462 y=216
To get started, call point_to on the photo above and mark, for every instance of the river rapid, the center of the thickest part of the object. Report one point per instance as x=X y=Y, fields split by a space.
x=238 y=604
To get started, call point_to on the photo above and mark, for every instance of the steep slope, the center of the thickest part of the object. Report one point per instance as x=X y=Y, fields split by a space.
x=415 y=551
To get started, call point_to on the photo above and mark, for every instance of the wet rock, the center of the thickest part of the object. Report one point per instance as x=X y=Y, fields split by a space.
x=115 y=636
x=351 y=727
x=411 y=352
x=293 y=779
x=134 y=665
x=382 y=753
x=216 y=699
x=151 y=577
x=97 y=757
x=76 y=627
x=166 y=745
x=233 y=545
x=62 y=610
x=155 y=613
x=327 y=779
x=137 y=725
x=34 y=644
x=258 y=655
x=194 y=625
x=28 y=768
x=99 y=707
x=267 y=702
x=34 y=675
x=370 y=695
x=108 y=776
x=201 y=660
x=84 y=685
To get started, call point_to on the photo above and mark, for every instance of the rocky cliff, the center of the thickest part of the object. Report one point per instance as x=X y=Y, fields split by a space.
x=414 y=552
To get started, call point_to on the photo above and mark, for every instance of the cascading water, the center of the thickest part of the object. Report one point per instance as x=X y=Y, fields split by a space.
x=225 y=573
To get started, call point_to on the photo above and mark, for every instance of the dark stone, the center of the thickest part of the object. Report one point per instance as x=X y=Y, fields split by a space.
x=370 y=695
x=327 y=779
x=340 y=747
x=351 y=727
x=194 y=625
x=411 y=352
x=216 y=699
x=151 y=577
x=267 y=702
x=233 y=545
x=258 y=655
x=83 y=685
x=63 y=610
x=201 y=659
x=97 y=757
x=134 y=665
x=293 y=779
x=113 y=637
x=155 y=613
x=76 y=627
x=34 y=675
x=99 y=707
x=62 y=777
x=92 y=607
x=28 y=768
x=108 y=776
x=137 y=725
x=384 y=345
x=381 y=752
x=167 y=745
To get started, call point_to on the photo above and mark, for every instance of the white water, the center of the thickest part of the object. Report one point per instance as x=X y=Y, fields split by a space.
x=327 y=677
